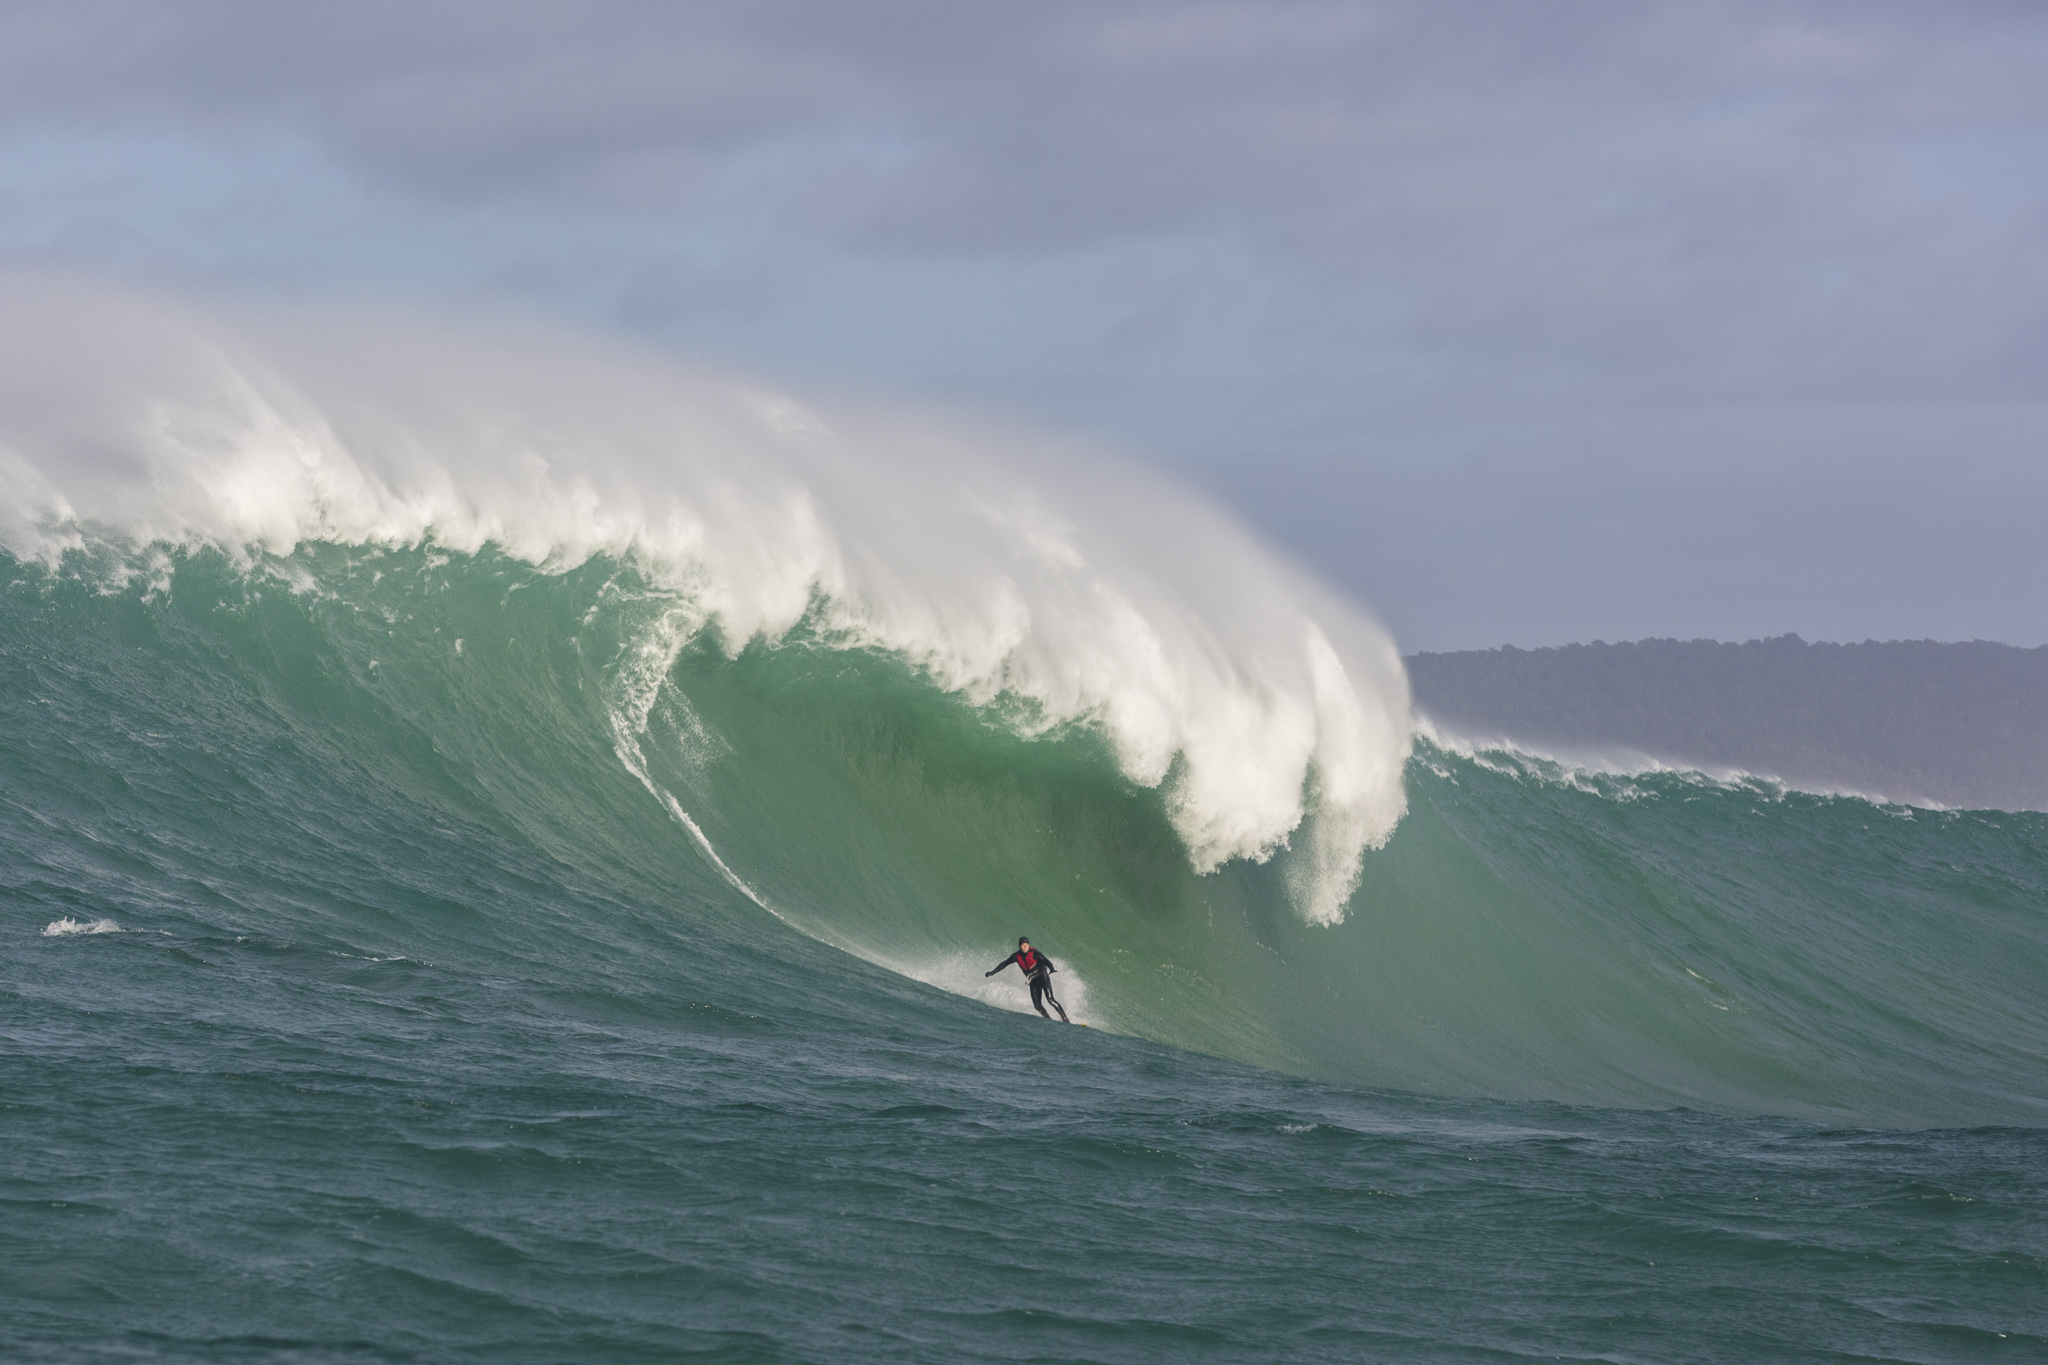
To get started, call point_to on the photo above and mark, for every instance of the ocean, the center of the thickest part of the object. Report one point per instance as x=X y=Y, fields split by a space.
x=432 y=935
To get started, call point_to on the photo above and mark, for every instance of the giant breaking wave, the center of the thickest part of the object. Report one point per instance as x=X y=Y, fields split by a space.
x=1051 y=587
x=296 y=606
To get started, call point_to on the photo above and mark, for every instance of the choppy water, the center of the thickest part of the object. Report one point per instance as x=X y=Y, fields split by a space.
x=362 y=998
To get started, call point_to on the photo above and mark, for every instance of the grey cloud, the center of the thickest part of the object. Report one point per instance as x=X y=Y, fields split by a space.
x=1515 y=181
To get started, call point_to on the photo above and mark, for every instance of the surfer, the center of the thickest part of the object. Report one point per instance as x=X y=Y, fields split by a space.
x=1038 y=970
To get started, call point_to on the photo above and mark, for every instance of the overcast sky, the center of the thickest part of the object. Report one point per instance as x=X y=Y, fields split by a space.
x=1520 y=320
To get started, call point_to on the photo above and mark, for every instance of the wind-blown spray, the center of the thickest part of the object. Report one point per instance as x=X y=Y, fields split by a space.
x=1050 y=586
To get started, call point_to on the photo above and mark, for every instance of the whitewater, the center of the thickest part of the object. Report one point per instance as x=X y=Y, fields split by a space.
x=502 y=834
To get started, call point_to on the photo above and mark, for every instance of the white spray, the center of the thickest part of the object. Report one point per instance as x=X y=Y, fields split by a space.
x=1047 y=580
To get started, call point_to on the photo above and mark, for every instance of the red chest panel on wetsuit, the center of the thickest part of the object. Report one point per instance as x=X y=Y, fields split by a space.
x=1028 y=961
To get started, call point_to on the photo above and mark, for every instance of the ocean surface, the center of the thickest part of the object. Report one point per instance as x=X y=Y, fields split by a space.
x=437 y=940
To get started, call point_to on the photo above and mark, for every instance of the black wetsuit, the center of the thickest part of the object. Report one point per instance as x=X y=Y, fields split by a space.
x=1037 y=969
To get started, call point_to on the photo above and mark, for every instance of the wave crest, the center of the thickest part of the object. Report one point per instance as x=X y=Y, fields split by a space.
x=67 y=927
x=1045 y=582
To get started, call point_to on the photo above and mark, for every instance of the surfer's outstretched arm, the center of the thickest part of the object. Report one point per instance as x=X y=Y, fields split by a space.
x=1000 y=965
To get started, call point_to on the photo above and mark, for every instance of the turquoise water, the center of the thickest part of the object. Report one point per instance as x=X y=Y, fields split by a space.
x=365 y=997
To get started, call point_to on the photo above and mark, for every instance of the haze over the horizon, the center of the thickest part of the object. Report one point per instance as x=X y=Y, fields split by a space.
x=1519 y=323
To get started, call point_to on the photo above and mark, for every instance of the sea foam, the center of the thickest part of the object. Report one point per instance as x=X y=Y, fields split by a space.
x=66 y=927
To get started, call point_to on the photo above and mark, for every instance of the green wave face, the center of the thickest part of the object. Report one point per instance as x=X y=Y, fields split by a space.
x=1527 y=932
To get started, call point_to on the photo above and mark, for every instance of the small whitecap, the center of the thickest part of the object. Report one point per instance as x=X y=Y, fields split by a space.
x=63 y=928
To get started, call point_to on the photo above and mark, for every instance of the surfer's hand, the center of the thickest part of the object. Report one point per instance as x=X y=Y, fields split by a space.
x=988 y=973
